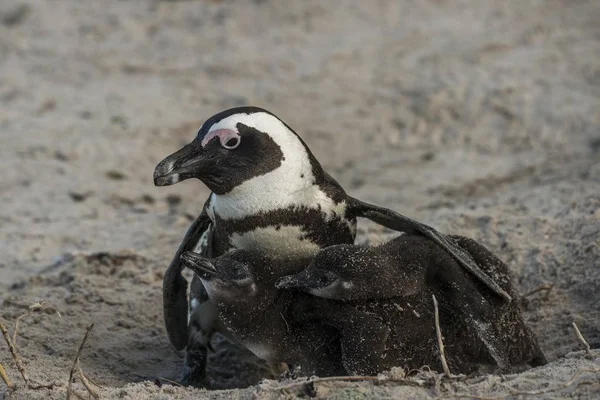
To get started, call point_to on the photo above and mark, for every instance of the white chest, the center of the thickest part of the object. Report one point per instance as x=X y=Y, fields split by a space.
x=272 y=192
x=281 y=242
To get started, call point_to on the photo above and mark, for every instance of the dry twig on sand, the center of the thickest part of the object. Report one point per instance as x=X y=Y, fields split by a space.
x=5 y=377
x=79 y=396
x=170 y=381
x=438 y=332
x=469 y=396
x=513 y=393
x=378 y=379
x=13 y=352
x=35 y=307
x=70 y=391
x=92 y=382
x=381 y=378
x=565 y=385
x=545 y=287
x=86 y=382
x=12 y=346
x=586 y=345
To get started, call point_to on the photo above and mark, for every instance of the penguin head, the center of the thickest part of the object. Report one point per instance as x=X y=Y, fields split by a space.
x=233 y=147
x=225 y=277
x=316 y=281
x=329 y=275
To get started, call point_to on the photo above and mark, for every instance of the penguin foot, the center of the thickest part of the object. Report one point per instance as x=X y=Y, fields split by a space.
x=194 y=379
x=194 y=369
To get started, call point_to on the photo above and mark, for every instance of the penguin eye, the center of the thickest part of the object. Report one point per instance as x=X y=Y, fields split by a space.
x=231 y=142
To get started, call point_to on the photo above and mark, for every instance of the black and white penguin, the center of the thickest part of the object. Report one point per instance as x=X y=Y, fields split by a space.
x=269 y=193
x=241 y=284
x=396 y=280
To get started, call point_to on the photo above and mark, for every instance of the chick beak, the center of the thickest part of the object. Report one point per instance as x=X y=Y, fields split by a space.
x=202 y=266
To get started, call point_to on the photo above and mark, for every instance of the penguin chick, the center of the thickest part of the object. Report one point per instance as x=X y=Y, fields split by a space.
x=255 y=314
x=396 y=280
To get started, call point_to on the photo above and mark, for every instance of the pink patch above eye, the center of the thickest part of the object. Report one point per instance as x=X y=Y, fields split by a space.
x=223 y=134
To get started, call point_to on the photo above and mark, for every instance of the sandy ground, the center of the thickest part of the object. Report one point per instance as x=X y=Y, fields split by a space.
x=481 y=118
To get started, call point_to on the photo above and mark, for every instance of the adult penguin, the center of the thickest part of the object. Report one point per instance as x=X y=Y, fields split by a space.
x=270 y=193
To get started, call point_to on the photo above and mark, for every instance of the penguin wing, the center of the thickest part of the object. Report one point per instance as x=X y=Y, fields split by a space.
x=398 y=222
x=488 y=261
x=175 y=303
x=508 y=322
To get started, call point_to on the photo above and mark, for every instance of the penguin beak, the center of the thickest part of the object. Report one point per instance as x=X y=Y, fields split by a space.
x=300 y=281
x=185 y=163
x=200 y=265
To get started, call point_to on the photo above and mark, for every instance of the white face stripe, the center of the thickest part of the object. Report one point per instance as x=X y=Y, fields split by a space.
x=223 y=134
x=325 y=292
x=260 y=350
x=289 y=185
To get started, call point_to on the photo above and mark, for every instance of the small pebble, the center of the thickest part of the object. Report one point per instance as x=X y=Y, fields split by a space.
x=79 y=197
x=14 y=15
x=60 y=156
x=115 y=175
x=146 y=198
x=173 y=199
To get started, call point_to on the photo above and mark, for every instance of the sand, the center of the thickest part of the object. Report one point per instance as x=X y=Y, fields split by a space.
x=481 y=118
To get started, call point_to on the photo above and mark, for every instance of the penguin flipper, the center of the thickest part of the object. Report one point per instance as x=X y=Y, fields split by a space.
x=398 y=222
x=484 y=257
x=457 y=288
x=523 y=347
x=175 y=302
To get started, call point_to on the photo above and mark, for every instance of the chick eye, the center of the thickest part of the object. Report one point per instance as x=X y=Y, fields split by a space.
x=239 y=273
x=323 y=279
x=231 y=143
